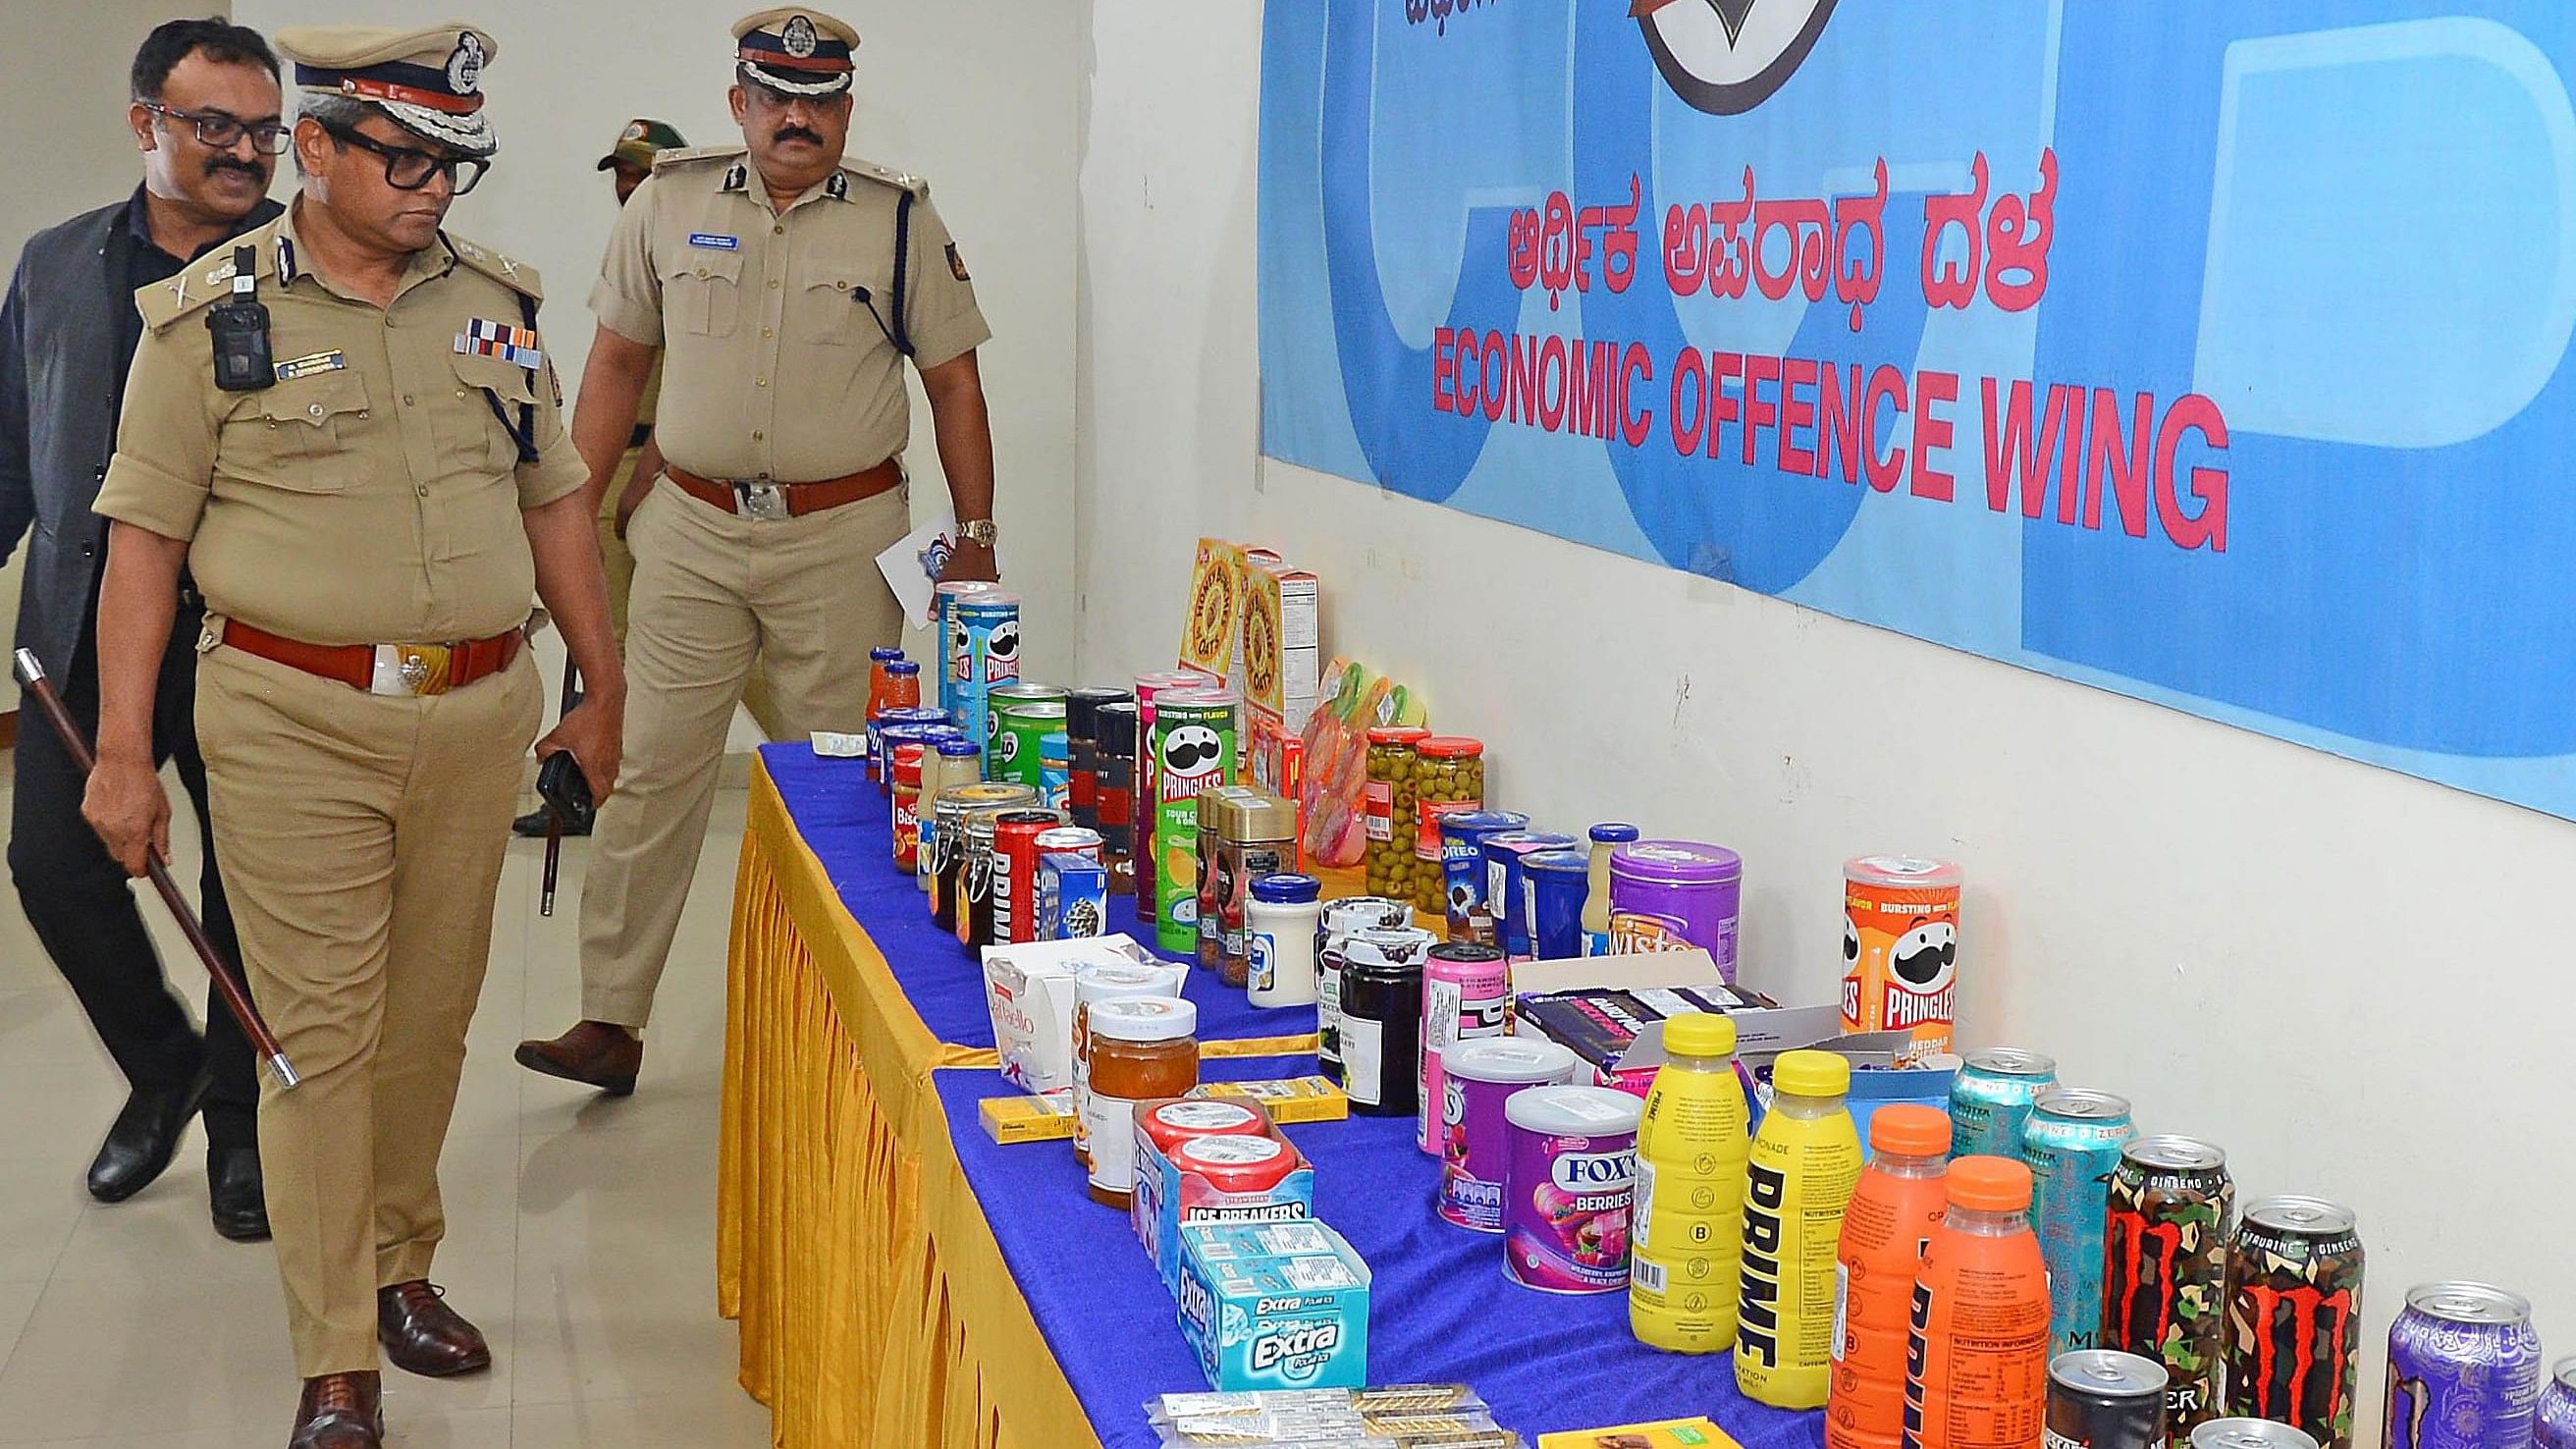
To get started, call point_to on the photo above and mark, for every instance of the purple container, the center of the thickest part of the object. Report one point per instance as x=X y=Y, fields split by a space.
x=1569 y=1176
x=2463 y=1369
x=1476 y=1077
x=1701 y=886
x=1503 y=851
x=2557 y=1426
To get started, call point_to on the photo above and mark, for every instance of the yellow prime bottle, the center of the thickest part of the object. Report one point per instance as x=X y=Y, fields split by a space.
x=1686 y=1226
x=1804 y=1165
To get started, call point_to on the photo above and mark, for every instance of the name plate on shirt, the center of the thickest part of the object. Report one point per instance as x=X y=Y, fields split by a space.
x=309 y=364
x=713 y=240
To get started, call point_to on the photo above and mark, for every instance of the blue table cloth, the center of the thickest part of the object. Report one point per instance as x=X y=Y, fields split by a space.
x=848 y=823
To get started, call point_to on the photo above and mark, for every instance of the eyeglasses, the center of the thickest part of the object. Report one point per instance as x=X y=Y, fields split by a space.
x=222 y=132
x=407 y=169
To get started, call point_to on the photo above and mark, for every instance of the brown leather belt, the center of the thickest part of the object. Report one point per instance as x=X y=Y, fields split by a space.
x=761 y=498
x=399 y=669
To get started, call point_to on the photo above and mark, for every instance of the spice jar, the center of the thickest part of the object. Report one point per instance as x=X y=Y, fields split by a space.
x=1279 y=926
x=1449 y=777
x=1382 y=1019
x=1344 y=919
x=1091 y=986
x=1462 y=870
x=1082 y=751
x=1142 y=1047
x=1388 y=856
x=1114 y=795
x=1211 y=949
x=1256 y=835
x=907 y=807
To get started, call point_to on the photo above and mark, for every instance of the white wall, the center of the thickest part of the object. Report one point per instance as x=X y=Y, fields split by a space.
x=2347 y=977
x=75 y=100
x=977 y=95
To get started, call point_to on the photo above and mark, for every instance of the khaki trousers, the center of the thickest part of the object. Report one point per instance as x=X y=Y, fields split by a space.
x=713 y=594
x=621 y=579
x=362 y=838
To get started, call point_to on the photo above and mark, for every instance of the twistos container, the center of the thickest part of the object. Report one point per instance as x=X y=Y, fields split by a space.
x=1698 y=885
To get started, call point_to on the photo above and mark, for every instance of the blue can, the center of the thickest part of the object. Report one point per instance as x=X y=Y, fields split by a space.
x=1553 y=886
x=1503 y=852
x=2072 y=1147
x=1462 y=864
x=986 y=652
x=877 y=757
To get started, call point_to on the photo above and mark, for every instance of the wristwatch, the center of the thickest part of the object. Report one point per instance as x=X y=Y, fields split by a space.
x=979 y=530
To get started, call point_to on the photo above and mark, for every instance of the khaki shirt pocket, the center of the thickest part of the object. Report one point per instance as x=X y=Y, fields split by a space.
x=830 y=312
x=703 y=294
x=486 y=445
x=302 y=436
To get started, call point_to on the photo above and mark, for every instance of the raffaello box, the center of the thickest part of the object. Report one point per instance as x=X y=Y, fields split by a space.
x=1274 y=1306
x=1205 y=1161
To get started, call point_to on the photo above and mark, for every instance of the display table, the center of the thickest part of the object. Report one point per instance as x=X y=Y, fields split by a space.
x=902 y=1280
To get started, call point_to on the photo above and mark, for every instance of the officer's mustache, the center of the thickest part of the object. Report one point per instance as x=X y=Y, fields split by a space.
x=796 y=133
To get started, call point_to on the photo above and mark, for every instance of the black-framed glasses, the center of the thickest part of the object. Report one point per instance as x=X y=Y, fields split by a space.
x=410 y=169
x=220 y=131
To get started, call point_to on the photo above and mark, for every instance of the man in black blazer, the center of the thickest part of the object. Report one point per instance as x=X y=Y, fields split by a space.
x=205 y=113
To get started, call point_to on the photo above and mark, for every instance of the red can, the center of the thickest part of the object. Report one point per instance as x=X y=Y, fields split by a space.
x=1015 y=872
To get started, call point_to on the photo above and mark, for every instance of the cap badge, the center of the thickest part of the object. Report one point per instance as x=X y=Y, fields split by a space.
x=634 y=131
x=798 y=36
x=465 y=65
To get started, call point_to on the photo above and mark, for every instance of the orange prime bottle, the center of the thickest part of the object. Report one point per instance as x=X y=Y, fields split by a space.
x=1976 y=1349
x=1894 y=1211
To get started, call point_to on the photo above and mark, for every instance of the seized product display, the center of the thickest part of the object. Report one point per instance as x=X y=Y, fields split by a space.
x=2172 y=1206
x=1699 y=886
x=1466 y=993
x=1503 y=852
x=1256 y=836
x=1342 y=919
x=1477 y=1077
x=2294 y=1272
x=1142 y=1047
x=1082 y=751
x=947 y=642
x=1193 y=751
x=1798 y=1178
x=1281 y=922
x=2099 y=1398
x=1393 y=776
x=1976 y=1350
x=1274 y=1305
x=1895 y=1209
x=1686 y=1227
x=1569 y=1176
x=2072 y=1146
x=2463 y=1369
x=1449 y=778
x=1901 y=949
x=1381 y=1018
x=984 y=651
x=1462 y=870
x=1990 y=1100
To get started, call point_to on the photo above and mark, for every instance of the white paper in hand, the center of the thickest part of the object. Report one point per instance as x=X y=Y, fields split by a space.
x=913 y=565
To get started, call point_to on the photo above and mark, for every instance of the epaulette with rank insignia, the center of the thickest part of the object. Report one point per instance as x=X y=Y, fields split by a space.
x=208 y=279
x=691 y=155
x=510 y=272
x=887 y=176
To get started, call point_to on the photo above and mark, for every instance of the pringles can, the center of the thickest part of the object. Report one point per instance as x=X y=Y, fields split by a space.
x=944 y=641
x=1194 y=742
x=2463 y=1369
x=2294 y=1275
x=1150 y=686
x=1901 y=950
x=986 y=652
x=2072 y=1146
x=2172 y=1207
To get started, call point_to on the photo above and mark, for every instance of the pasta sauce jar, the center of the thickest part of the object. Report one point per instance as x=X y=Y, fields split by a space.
x=1142 y=1047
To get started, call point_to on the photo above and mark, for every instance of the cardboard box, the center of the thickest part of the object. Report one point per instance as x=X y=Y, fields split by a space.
x=1027 y=1119
x=1661 y=1434
x=1213 y=627
x=1073 y=897
x=1282 y=654
x=1286 y=1099
x=1283 y=1306
x=1278 y=763
x=1168 y=1197
x=1028 y=988
x=1609 y=1011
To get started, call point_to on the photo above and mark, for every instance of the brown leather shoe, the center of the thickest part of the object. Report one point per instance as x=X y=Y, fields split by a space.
x=422 y=1335
x=593 y=1053
x=340 y=1411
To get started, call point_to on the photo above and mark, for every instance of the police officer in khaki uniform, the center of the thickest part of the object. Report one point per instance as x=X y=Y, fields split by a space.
x=366 y=507
x=783 y=286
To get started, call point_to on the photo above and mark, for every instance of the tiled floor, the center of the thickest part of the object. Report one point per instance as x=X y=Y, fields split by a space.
x=581 y=1231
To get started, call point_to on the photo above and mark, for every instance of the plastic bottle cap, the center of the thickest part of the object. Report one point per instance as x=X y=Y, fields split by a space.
x=902 y=667
x=1450 y=747
x=1907 y=1128
x=1707 y=1034
x=1287 y=889
x=960 y=749
x=1396 y=734
x=885 y=653
x=1989 y=1184
x=1614 y=832
x=1812 y=1073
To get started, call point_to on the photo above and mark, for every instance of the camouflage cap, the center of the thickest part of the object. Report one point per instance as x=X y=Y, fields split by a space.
x=642 y=140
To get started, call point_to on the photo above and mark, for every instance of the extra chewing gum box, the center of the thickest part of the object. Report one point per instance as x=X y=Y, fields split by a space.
x=1274 y=1306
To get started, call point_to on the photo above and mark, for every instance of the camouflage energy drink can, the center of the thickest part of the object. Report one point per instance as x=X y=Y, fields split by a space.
x=2164 y=1271
x=2294 y=1316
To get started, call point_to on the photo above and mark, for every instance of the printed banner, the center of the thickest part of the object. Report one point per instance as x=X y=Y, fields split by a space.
x=2212 y=353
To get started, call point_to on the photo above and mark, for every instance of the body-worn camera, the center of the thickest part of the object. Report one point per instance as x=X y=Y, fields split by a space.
x=240 y=327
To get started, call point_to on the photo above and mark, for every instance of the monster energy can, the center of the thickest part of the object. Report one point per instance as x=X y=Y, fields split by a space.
x=2463 y=1370
x=2072 y=1146
x=2294 y=1316
x=2164 y=1285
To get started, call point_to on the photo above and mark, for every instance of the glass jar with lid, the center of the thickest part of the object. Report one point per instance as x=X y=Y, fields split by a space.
x=1449 y=777
x=1388 y=856
x=1142 y=1047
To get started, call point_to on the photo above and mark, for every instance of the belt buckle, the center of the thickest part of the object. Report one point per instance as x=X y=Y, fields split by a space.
x=760 y=498
x=410 y=669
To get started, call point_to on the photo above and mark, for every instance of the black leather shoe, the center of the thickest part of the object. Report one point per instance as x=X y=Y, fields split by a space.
x=236 y=1195
x=532 y=826
x=144 y=1139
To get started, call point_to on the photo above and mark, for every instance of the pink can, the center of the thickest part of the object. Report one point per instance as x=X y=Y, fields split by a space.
x=1480 y=1075
x=1466 y=994
x=1569 y=1175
